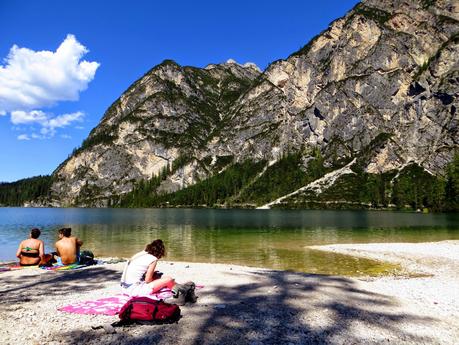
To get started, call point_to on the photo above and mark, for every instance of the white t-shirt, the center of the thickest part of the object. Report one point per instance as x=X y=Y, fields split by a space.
x=137 y=266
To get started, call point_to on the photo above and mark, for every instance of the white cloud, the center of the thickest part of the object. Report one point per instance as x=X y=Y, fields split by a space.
x=23 y=117
x=47 y=122
x=66 y=136
x=65 y=120
x=36 y=79
x=23 y=137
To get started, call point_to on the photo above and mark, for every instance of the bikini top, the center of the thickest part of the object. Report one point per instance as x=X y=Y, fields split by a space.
x=28 y=249
x=30 y=252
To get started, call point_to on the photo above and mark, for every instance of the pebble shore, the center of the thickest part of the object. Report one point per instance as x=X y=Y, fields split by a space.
x=246 y=305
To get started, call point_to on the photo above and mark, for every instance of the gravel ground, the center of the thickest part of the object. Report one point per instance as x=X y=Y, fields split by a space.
x=244 y=305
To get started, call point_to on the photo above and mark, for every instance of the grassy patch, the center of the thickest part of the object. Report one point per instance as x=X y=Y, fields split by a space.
x=427 y=3
x=375 y=14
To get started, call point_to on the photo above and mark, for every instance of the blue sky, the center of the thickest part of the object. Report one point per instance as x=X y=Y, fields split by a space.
x=50 y=99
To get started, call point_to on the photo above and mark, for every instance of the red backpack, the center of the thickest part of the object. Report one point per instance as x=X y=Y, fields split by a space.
x=147 y=309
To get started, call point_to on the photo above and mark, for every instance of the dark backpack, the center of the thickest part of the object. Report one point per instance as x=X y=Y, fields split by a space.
x=146 y=310
x=86 y=258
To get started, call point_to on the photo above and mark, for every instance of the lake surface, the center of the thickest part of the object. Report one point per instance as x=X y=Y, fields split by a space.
x=263 y=238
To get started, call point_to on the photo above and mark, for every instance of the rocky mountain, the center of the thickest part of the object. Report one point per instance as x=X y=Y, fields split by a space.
x=373 y=97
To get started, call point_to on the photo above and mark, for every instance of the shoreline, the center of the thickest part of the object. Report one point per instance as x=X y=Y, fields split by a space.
x=253 y=305
x=365 y=207
x=410 y=255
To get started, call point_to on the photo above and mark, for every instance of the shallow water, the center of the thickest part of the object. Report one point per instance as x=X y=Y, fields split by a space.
x=263 y=238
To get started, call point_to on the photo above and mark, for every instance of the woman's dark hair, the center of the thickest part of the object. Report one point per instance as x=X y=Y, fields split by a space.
x=35 y=233
x=156 y=248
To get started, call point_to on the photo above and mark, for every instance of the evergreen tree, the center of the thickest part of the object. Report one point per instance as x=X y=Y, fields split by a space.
x=452 y=185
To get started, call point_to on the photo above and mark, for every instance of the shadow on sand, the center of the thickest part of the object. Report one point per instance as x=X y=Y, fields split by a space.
x=279 y=308
x=15 y=290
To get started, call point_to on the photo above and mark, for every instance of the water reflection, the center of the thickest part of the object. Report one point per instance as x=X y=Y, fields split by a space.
x=274 y=239
x=279 y=249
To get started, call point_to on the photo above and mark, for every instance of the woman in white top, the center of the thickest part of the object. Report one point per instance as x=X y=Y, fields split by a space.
x=139 y=278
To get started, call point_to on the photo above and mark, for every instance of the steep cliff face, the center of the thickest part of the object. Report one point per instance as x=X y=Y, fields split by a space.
x=380 y=85
x=169 y=115
x=388 y=66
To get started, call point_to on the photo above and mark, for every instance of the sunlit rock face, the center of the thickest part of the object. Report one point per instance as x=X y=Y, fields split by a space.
x=386 y=67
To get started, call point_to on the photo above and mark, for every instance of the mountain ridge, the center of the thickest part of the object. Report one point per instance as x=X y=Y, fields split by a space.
x=387 y=72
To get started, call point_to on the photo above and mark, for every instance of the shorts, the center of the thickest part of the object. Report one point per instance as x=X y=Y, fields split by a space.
x=140 y=289
x=60 y=263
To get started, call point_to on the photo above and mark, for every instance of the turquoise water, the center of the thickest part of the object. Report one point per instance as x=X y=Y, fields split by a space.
x=264 y=238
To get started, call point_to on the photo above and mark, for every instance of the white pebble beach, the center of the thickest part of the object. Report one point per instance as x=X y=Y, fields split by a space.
x=246 y=305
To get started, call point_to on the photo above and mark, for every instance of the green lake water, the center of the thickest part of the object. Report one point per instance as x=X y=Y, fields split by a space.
x=276 y=239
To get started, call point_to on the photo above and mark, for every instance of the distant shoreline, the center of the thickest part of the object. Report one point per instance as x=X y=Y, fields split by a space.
x=253 y=207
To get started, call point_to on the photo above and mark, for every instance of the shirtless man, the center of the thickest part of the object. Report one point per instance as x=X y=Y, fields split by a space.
x=68 y=247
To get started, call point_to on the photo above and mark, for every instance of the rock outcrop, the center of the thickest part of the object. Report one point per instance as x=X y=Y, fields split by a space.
x=387 y=71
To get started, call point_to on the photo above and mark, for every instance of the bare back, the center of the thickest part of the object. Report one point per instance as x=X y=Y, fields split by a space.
x=30 y=251
x=68 y=248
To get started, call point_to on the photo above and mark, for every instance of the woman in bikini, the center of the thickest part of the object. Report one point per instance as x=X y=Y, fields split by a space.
x=31 y=251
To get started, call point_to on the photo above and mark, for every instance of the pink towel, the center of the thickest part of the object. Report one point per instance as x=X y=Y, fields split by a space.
x=110 y=305
x=103 y=306
x=107 y=305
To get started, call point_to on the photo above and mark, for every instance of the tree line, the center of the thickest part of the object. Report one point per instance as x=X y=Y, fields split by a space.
x=411 y=188
x=242 y=184
x=18 y=192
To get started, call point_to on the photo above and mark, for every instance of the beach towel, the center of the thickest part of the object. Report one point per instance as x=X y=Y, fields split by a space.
x=108 y=305
x=16 y=266
x=63 y=267
x=11 y=266
x=111 y=305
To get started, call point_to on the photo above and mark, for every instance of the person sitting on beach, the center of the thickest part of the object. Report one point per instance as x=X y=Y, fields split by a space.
x=31 y=251
x=68 y=247
x=140 y=278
